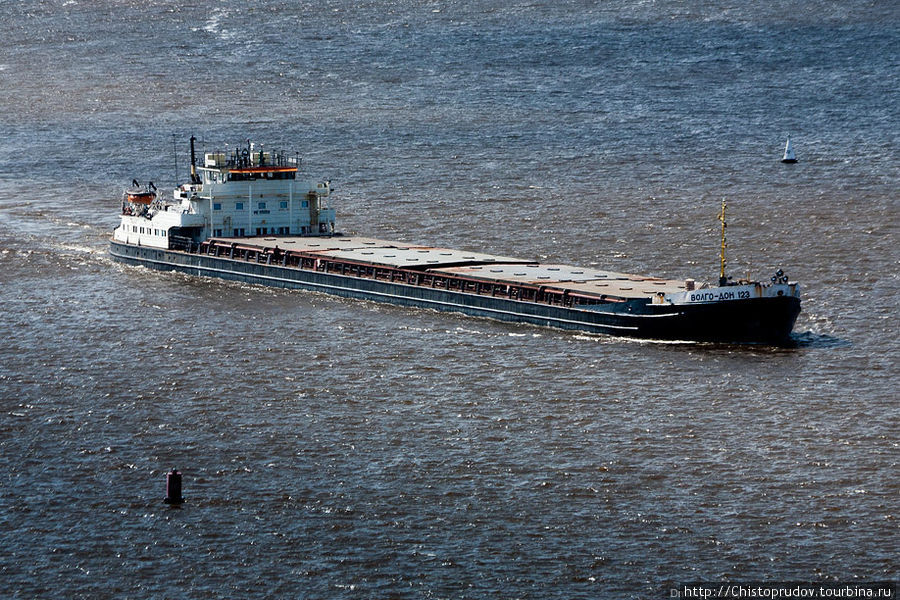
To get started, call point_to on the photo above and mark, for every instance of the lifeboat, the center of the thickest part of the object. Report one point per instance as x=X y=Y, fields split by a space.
x=140 y=195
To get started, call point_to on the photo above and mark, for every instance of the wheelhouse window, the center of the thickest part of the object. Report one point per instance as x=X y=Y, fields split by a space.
x=238 y=206
x=217 y=206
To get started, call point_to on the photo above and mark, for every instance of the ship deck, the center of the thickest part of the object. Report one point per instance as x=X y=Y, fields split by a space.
x=472 y=265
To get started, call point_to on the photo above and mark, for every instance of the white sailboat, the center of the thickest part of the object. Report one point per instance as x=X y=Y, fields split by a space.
x=789 y=156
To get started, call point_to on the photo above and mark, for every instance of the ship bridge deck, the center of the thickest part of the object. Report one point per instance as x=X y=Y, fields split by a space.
x=472 y=265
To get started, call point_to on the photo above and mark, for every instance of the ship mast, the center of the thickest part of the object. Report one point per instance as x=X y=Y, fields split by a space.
x=175 y=156
x=722 y=279
x=194 y=177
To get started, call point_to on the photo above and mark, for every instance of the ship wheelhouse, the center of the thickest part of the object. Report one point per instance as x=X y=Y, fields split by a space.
x=250 y=192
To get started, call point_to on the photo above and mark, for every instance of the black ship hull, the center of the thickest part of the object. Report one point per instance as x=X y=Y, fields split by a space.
x=759 y=320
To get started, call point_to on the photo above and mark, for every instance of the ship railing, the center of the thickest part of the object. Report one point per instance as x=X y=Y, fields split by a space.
x=243 y=158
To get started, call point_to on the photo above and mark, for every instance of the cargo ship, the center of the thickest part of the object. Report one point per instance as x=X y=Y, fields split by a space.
x=246 y=215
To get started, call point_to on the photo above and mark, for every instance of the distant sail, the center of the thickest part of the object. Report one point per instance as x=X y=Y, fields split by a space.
x=789 y=156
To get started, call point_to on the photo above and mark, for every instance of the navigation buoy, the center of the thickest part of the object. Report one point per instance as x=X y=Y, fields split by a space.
x=173 y=487
x=789 y=156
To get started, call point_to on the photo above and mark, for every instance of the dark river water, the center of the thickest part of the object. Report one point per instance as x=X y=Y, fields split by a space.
x=343 y=449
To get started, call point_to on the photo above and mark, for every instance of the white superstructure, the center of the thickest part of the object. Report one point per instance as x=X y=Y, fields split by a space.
x=242 y=193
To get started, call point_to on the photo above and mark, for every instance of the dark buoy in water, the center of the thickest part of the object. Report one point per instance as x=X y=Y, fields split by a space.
x=173 y=487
